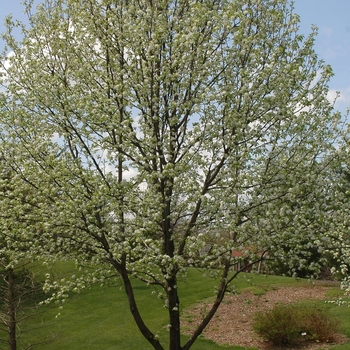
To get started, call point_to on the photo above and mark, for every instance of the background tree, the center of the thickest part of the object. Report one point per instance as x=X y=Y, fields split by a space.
x=21 y=292
x=338 y=248
x=19 y=288
x=169 y=134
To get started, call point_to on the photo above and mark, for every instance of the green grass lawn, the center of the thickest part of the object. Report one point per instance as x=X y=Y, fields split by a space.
x=99 y=317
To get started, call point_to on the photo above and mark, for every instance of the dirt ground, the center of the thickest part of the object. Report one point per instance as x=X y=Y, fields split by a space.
x=233 y=322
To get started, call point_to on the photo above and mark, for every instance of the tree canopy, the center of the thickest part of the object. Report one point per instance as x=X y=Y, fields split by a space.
x=166 y=135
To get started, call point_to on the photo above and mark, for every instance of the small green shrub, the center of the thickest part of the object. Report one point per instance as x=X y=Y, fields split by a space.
x=293 y=324
x=319 y=325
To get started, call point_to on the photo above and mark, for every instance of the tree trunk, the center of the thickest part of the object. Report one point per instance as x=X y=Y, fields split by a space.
x=135 y=311
x=11 y=310
x=174 y=316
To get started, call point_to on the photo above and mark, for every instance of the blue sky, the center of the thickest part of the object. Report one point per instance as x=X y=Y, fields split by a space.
x=332 y=44
x=333 y=40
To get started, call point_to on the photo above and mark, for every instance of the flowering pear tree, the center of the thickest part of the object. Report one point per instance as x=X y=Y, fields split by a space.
x=164 y=135
x=10 y=252
x=19 y=233
x=338 y=248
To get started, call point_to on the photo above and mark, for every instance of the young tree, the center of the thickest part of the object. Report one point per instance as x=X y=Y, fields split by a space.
x=169 y=134
x=19 y=290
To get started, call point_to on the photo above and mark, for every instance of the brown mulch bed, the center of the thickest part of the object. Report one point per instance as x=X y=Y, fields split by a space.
x=233 y=322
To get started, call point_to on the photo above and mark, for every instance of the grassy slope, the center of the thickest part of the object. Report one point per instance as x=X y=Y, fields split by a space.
x=343 y=313
x=99 y=318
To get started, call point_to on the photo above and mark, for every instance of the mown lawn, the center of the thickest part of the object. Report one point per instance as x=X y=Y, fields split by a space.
x=99 y=317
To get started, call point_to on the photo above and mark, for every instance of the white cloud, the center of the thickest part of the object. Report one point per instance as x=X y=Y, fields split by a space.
x=340 y=96
x=332 y=95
